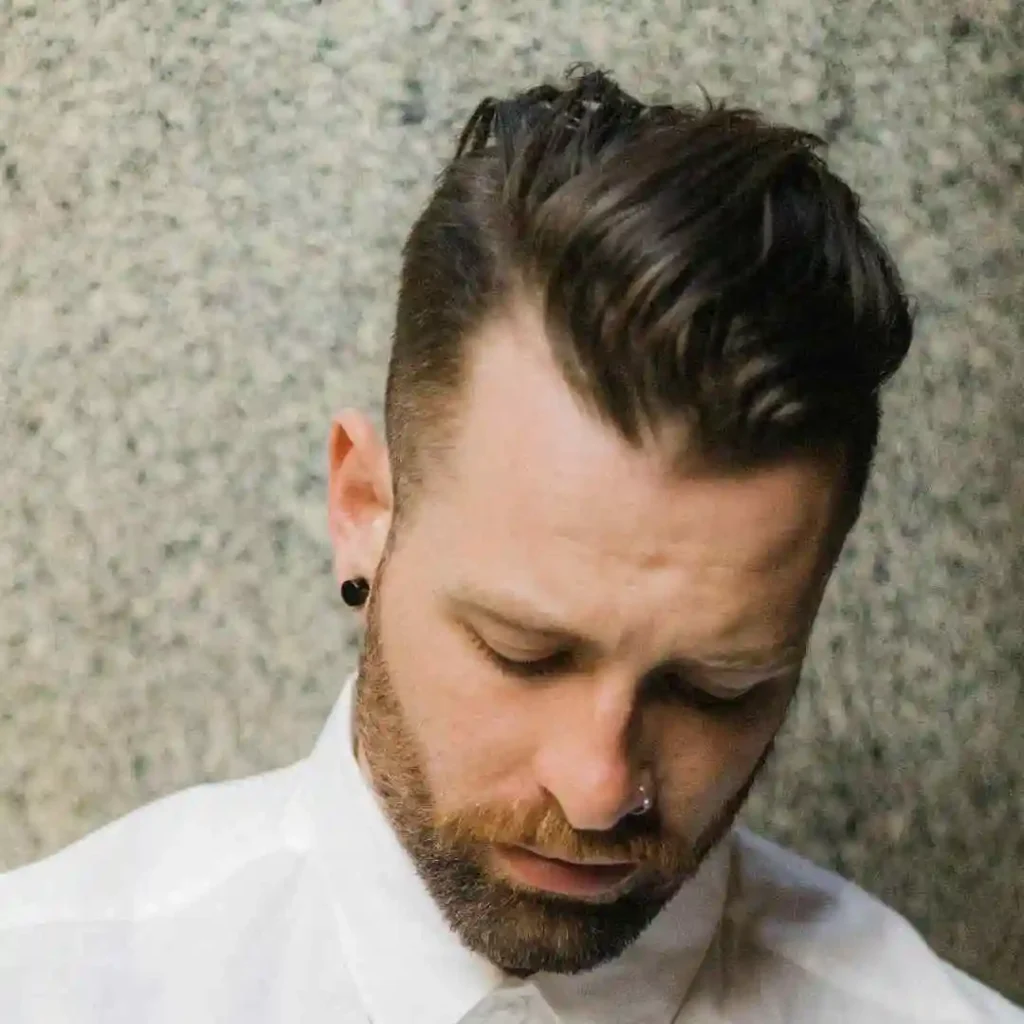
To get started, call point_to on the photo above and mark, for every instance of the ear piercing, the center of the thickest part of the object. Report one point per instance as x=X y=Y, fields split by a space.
x=355 y=591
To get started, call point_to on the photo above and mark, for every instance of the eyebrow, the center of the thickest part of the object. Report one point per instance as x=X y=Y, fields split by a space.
x=511 y=614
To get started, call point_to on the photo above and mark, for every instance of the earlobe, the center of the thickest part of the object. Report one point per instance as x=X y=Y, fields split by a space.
x=359 y=495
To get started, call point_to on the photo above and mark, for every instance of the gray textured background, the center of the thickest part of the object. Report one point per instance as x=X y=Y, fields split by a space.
x=201 y=206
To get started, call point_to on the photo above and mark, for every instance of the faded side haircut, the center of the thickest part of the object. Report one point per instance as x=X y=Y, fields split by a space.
x=698 y=268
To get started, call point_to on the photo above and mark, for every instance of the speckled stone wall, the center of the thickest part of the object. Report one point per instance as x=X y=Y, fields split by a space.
x=201 y=206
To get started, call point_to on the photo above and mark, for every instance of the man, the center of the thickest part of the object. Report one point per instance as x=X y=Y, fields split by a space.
x=631 y=408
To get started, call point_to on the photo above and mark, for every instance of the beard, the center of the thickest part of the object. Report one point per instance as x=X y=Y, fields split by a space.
x=521 y=931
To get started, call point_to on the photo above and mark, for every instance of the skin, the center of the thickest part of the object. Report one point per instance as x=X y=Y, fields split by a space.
x=635 y=593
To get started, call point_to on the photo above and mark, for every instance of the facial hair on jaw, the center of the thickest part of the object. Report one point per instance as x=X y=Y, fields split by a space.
x=522 y=932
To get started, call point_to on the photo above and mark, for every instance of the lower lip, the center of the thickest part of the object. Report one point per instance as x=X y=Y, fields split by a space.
x=558 y=876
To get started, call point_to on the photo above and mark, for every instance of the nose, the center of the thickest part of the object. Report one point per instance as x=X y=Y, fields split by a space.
x=586 y=763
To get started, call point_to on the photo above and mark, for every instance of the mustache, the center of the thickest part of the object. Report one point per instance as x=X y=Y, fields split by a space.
x=543 y=828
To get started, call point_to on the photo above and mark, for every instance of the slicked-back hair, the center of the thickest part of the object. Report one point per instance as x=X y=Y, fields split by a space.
x=697 y=268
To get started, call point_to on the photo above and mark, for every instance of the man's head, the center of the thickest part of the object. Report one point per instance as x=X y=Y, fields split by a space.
x=631 y=407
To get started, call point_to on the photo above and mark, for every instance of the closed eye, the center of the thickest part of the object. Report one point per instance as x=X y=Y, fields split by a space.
x=665 y=685
x=677 y=687
x=525 y=667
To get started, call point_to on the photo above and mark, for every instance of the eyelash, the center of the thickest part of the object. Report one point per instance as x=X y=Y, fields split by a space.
x=673 y=687
x=540 y=668
x=704 y=701
x=556 y=664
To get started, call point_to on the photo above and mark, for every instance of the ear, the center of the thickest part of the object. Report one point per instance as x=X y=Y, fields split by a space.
x=359 y=498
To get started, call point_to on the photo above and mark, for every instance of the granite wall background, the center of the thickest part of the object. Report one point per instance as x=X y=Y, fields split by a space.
x=201 y=206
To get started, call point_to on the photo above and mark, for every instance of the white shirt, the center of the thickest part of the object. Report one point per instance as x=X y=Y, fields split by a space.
x=287 y=898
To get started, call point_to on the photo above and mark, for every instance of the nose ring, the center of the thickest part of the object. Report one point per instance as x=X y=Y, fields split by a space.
x=645 y=802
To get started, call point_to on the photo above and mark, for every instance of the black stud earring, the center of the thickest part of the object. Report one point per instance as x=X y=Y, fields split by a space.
x=354 y=592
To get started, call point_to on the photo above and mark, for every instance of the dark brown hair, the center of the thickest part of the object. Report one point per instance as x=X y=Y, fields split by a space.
x=697 y=267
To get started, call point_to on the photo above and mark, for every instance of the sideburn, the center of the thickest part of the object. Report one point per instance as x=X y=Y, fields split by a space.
x=387 y=748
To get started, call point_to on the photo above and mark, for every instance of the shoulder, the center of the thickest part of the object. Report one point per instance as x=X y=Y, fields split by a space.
x=161 y=855
x=822 y=941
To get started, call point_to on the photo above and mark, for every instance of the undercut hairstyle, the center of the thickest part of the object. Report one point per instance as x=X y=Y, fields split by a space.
x=698 y=269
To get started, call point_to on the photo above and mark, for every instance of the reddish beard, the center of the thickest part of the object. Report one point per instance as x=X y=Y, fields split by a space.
x=520 y=931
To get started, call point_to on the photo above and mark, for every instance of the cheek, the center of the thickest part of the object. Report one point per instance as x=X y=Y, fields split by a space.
x=706 y=761
x=466 y=723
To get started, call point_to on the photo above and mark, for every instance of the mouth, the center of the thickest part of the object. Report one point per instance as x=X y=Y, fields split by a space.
x=592 y=879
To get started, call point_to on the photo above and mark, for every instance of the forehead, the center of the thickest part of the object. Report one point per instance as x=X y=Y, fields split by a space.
x=552 y=502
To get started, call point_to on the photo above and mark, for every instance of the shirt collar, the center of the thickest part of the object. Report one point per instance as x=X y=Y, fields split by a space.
x=408 y=963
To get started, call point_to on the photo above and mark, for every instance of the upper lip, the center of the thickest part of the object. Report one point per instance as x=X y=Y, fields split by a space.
x=589 y=862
